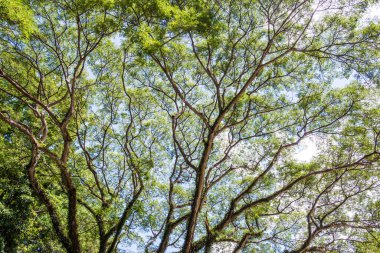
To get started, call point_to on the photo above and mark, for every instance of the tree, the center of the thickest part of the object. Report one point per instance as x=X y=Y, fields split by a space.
x=183 y=134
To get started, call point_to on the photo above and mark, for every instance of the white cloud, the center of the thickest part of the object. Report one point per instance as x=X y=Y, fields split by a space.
x=306 y=150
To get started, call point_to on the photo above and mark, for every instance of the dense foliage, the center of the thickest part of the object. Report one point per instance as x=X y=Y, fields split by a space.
x=174 y=126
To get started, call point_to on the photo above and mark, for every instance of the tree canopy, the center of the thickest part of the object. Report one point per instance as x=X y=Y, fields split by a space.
x=176 y=126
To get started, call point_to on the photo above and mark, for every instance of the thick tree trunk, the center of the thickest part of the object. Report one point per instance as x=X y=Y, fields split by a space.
x=197 y=201
x=10 y=245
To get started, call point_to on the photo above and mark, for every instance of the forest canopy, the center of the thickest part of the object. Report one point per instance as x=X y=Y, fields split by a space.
x=181 y=126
